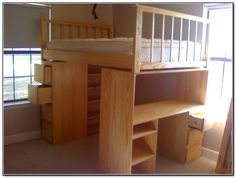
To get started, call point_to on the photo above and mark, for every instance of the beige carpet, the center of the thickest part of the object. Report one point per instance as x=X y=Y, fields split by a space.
x=80 y=157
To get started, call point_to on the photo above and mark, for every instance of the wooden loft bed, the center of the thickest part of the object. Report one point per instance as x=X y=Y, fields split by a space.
x=68 y=30
x=129 y=97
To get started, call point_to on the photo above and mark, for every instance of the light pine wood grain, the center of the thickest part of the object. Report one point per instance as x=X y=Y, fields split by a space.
x=46 y=112
x=69 y=101
x=43 y=73
x=116 y=128
x=172 y=137
x=39 y=94
x=194 y=144
x=162 y=109
x=192 y=86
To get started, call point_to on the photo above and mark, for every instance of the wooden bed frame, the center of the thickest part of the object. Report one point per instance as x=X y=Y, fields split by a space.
x=129 y=129
x=63 y=29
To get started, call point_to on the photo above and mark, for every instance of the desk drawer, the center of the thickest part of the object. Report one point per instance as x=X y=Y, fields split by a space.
x=194 y=145
x=39 y=94
x=195 y=122
x=47 y=131
x=46 y=112
x=43 y=73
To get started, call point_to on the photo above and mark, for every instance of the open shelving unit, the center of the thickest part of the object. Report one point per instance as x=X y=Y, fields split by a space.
x=94 y=82
x=131 y=110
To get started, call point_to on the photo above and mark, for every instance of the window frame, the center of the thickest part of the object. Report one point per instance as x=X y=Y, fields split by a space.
x=13 y=52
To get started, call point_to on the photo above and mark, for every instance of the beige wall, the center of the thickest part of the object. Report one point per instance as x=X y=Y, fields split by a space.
x=83 y=13
x=124 y=19
x=213 y=137
x=21 y=119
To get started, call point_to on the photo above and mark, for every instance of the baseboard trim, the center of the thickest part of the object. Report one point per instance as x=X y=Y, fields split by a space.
x=210 y=154
x=22 y=137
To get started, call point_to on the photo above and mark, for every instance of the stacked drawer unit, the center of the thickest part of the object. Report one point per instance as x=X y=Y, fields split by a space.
x=195 y=137
x=180 y=137
x=42 y=94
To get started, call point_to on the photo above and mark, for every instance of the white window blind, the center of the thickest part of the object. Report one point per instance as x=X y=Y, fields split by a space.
x=22 y=25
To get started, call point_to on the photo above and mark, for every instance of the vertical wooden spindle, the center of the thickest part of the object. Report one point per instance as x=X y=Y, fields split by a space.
x=180 y=37
x=195 y=40
x=171 y=38
x=152 y=39
x=163 y=36
x=188 y=34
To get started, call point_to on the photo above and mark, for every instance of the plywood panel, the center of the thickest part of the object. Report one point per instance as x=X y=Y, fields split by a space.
x=116 y=128
x=69 y=101
x=172 y=137
x=192 y=86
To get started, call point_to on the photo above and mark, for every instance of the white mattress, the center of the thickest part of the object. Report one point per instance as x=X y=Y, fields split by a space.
x=125 y=46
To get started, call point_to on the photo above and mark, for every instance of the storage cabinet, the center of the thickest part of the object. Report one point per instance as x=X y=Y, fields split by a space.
x=177 y=140
x=136 y=116
x=63 y=99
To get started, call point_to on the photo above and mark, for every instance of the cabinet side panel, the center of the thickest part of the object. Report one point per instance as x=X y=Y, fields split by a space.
x=69 y=101
x=172 y=137
x=116 y=112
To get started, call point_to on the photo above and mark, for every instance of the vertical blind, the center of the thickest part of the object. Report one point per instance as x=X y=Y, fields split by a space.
x=22 y=25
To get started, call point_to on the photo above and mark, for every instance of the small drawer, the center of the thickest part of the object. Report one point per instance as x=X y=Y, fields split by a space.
x=39 y=94
x=195 y=137
x=43 y=73
x=196 y=122
x=47 y=131
x=46 y=112
x=193 y=152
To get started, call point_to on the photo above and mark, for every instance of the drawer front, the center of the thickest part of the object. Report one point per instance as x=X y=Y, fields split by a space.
x=46 y=112
x=43 y=73
x=195 y=137
x=194 y=145
x=39 y=94
x=47 y=131
x=193 y=152
x=195 y=122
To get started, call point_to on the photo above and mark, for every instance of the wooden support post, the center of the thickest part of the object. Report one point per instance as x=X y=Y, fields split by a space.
x=116 y=125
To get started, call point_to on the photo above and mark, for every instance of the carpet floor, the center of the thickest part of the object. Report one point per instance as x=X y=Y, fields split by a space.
x=38 y=157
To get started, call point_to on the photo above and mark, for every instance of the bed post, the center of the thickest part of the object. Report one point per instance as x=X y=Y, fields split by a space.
x=44 y=35
x=137 y=39
x=204 y=33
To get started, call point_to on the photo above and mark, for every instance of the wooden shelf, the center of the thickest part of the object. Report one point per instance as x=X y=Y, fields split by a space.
x=94 y=86
x=93 y=114
x=153 y=111
x=93 y=117
x=93 y=128
x=141 y=152
x=94 y=74
x=93 y=100
x=143 y=130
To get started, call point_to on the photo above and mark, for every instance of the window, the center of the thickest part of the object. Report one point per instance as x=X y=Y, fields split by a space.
x=21 y=47
x=18 y=70
x=220 y=65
